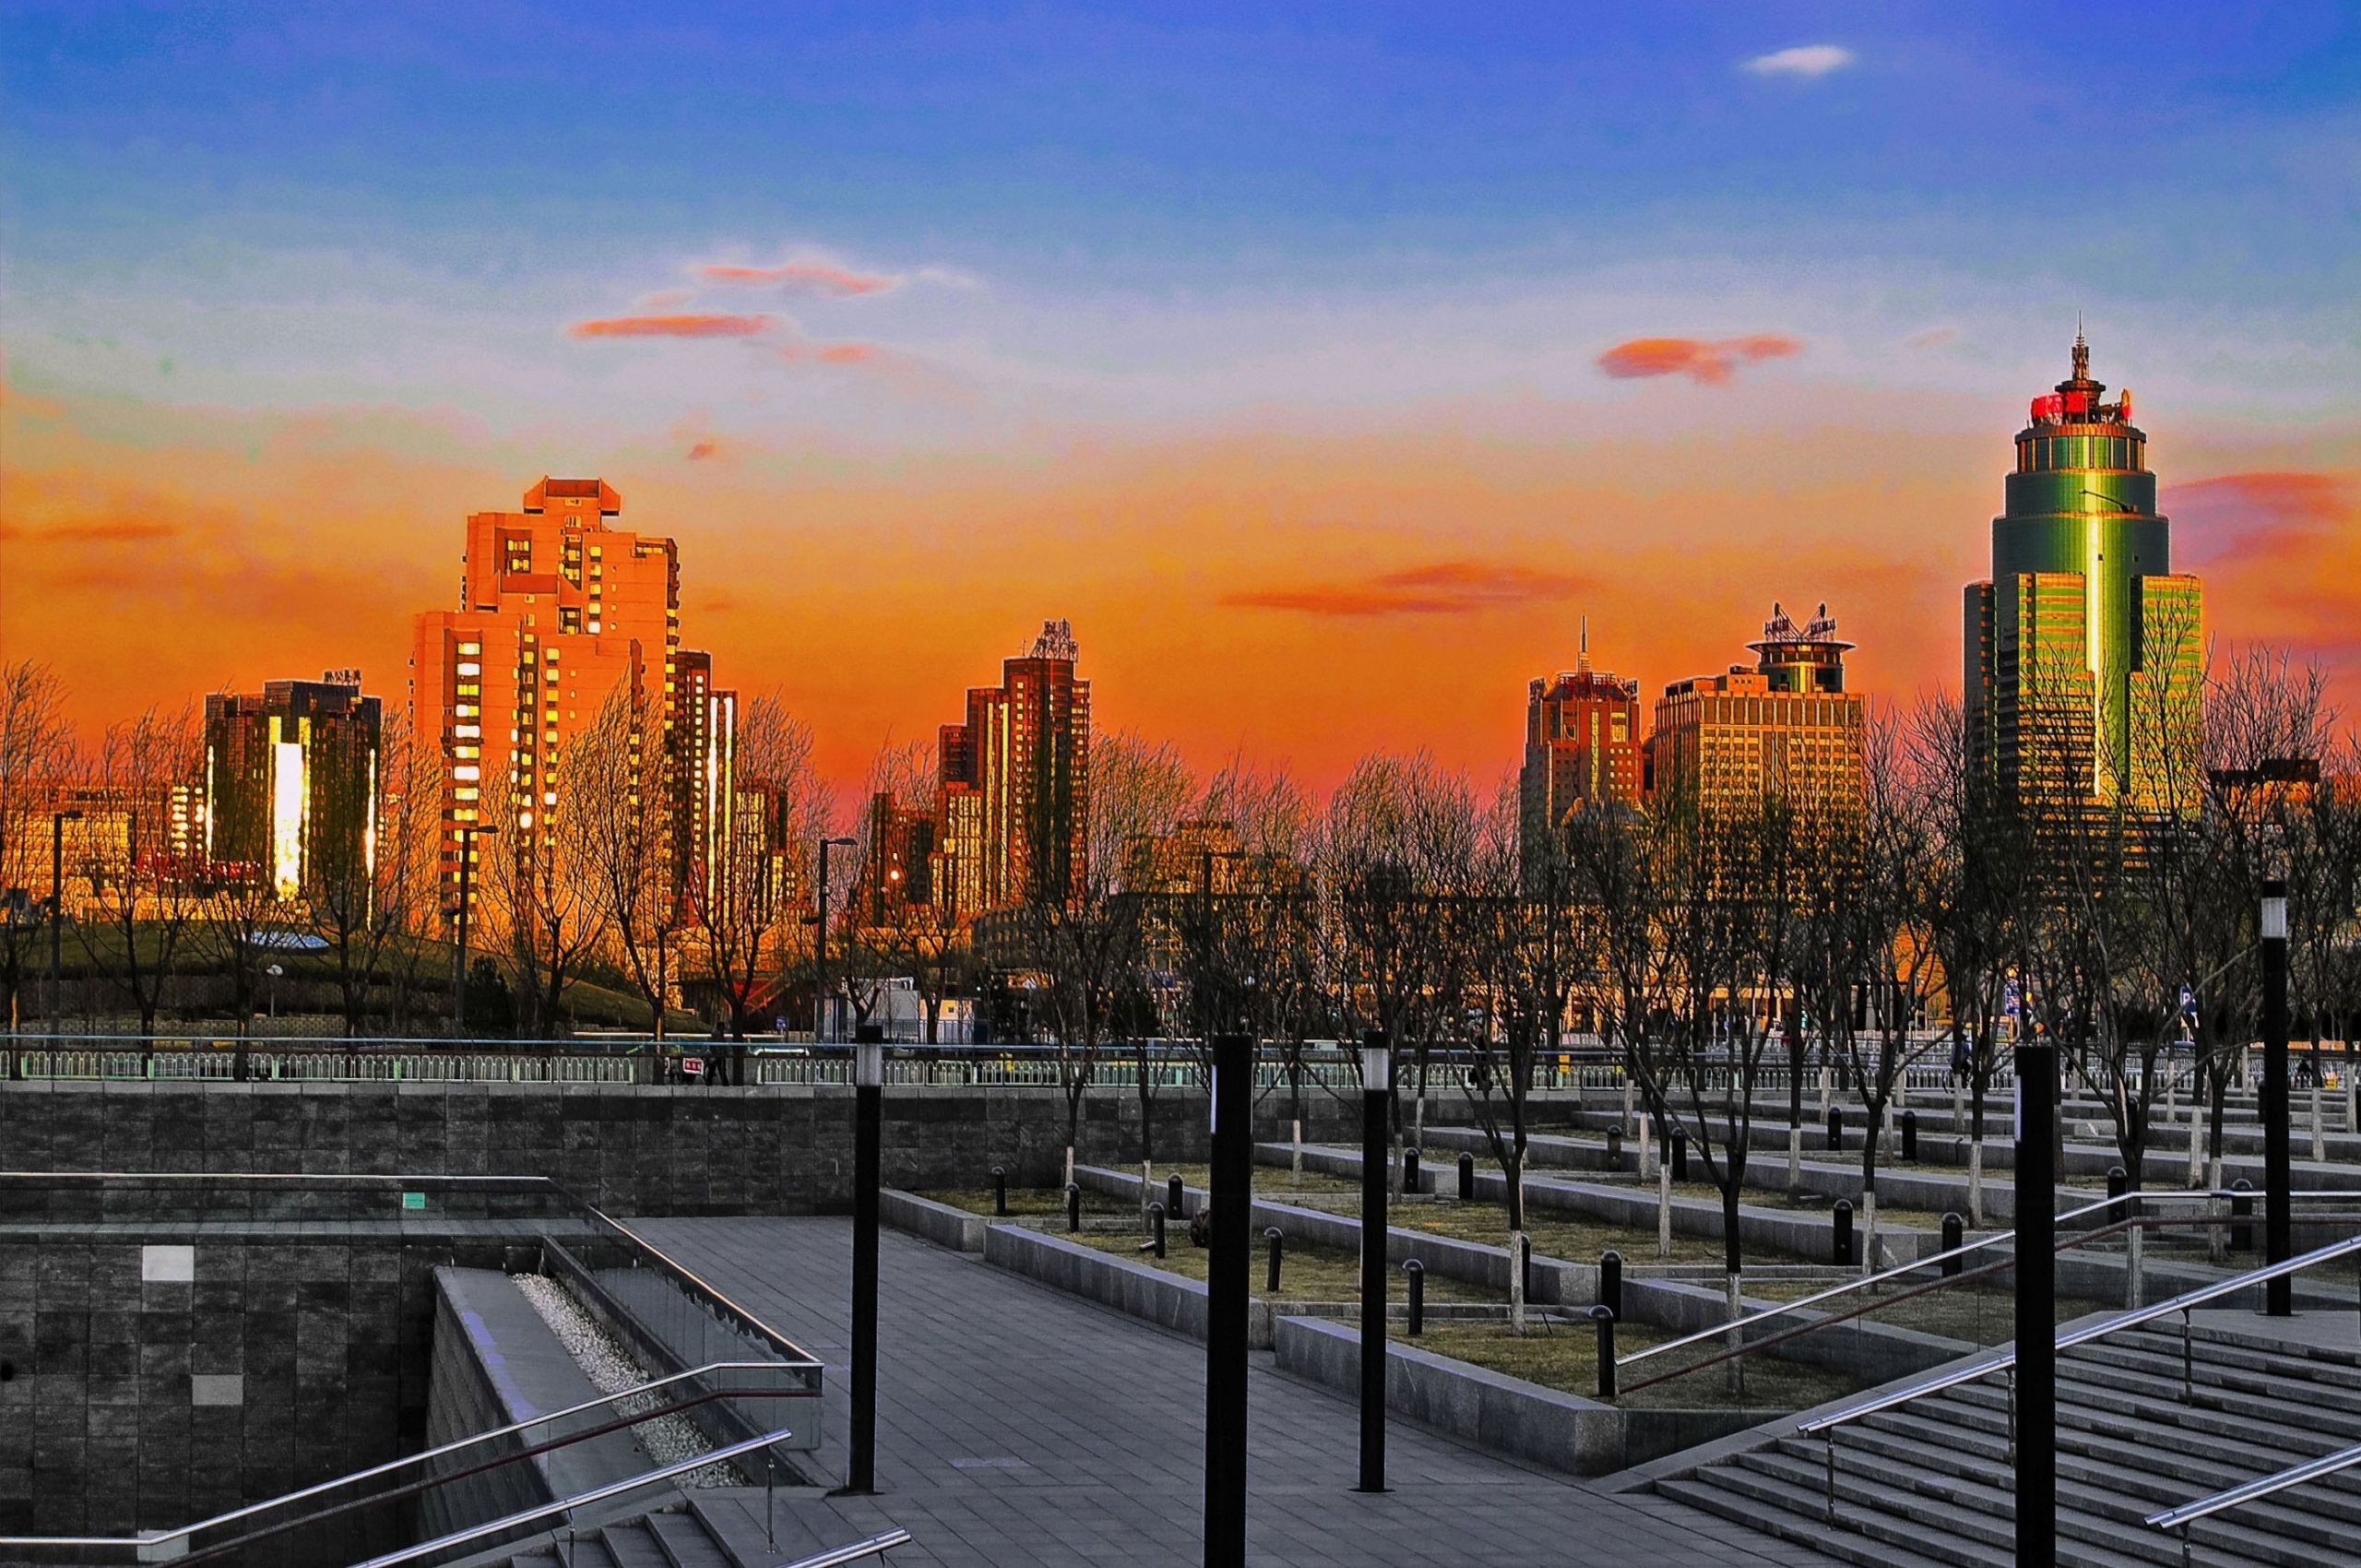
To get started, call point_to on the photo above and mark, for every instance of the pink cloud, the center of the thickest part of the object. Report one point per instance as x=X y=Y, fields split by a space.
x=804 y=277
x=693 y=325
x=2268 y=513
x=1709 y=362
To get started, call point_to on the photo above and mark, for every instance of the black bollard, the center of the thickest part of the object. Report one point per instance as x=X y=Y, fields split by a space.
x=1841 y=1243
x=1156 y=1223
x=1176 y=1198
x=1680 y=1153
x=1418 y=1273
x=1606 y=1321
x=1000 y=1192
x=1610 y=1281
x=1278 y=1244
x=1954 y=1238
x=2242 y=1236
x=1910 y=1135
x=1410 y=1170
x=1615 y=1148
x=2119 y=1182
x=1835 y=1129
x=1073 y=1207
x=1467 y=1178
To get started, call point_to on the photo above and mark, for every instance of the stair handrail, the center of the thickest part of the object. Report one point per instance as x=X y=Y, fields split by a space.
x=1723 y=1330
x=158 y=1543
x=2188 y=1513
x=835 y=1556
x=579 y=1500
x=2002 y=1361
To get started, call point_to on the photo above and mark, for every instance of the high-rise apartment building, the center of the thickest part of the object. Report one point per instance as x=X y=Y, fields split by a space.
x=291 y=784
x=1014 y=803
x=704 y=759
x=1582 y=747
x=2081 y=652
x=558 y=608
x=1785 y=727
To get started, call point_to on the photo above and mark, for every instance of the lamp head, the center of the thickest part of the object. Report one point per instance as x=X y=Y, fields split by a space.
x=1377 y=1063
x=2274 y=910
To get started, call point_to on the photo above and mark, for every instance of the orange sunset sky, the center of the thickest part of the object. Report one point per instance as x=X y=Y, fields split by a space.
x=1325 y=373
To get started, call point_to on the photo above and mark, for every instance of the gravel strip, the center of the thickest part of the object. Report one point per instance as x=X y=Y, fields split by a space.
x=611 y=1368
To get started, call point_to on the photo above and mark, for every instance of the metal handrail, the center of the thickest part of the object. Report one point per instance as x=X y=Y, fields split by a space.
x=580 y=1499
x=150 y=1538
x=835 y=1556
x=2005 y=1360
x=2294 y=1475
x=1722 y=1331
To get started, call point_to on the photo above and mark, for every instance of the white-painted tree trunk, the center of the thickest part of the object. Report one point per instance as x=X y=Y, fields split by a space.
x=1975 y=1183
x=1827 y=1087
x=1647 y=1164
x=2320 y=1127
x=1795 y=1159
x=1069 y=1180
x=1295 y=1169
x=1516 y=1282
x=1631 y=1125
x=1869 y=1231
x=2196 y=1139
x=1147 y=1190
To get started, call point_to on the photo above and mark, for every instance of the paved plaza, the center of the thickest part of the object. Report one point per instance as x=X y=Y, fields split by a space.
x=1019 y=1426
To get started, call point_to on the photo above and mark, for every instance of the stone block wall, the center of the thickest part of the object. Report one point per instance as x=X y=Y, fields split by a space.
x=630 y=1150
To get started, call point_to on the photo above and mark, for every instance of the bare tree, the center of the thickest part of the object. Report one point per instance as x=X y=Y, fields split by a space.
x=142 y=885
x=623 y=801
x=36 y=761
x=748 y=907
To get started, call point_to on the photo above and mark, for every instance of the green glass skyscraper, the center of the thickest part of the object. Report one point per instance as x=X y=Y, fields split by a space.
x=2083 y=651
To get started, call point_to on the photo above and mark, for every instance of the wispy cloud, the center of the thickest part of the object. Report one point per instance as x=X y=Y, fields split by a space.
x=1446 y=587
x=1808 y=61
x=1709 y=361
x=804 y=277
x=114 y=530
x=686 y=325
x=1932 y=337
x=2281 y=514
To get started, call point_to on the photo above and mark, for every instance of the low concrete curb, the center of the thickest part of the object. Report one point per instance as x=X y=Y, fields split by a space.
x=1508 y=1415
x=943 y=1223
x=1135 y=1289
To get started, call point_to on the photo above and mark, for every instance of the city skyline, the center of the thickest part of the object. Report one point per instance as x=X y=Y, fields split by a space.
x=1381 y=381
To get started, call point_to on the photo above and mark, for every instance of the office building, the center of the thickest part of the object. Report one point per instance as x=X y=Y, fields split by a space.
x=1014 y=802
x=291 y=785
x=2082 y=650
x=1783 y=727
x=1582 y=747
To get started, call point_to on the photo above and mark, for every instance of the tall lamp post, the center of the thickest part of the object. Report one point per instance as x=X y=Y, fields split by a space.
x=468 y=833
x=2036 y=1311
x=868 y=1081
x=57 y=821
x=1227 y=1266
x=1377 y=1089
x=2278 y=1294
x=820 y=982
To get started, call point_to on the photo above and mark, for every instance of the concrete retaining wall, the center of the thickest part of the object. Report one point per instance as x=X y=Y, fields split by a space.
x=944 y=1224
x=1165 y=1300
x=1505 y=1414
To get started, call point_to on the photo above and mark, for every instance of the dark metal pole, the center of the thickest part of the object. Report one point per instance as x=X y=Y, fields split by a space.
x=869 y=1077
x=2277 y=1242
x=57 y=821
x=1376 y=1094
x=460 y=958
x=2036 y=1326
x=1229 y=1255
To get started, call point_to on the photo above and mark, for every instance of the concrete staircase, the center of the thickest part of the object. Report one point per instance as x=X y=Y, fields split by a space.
x=673 y=1538
x=1928 y=1483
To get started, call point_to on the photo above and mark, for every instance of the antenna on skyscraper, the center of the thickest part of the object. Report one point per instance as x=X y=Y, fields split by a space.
x=1584 y=662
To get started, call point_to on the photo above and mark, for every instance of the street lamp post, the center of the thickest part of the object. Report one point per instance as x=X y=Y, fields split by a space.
x=2035 y=1388
x=868 y=1080
x=1230 y=1205
x=820 y=982
x=57 y=821
x=468 y=833
x=1377 y=1087
x=2278 y=1294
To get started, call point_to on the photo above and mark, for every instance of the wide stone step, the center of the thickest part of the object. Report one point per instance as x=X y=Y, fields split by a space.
x=1775 y=1517
x=634 y=1545
x=686 y=1542
x=1865 y=1513
x=1928 y=1472
x=2295 y=1387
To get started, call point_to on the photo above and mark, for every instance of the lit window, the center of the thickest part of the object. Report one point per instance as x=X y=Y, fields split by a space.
x=466 y=710
x=469 y=731
x=467 y=648
x=467 y=793
x=466 y=770
x=550 y=798
x=471 y=669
